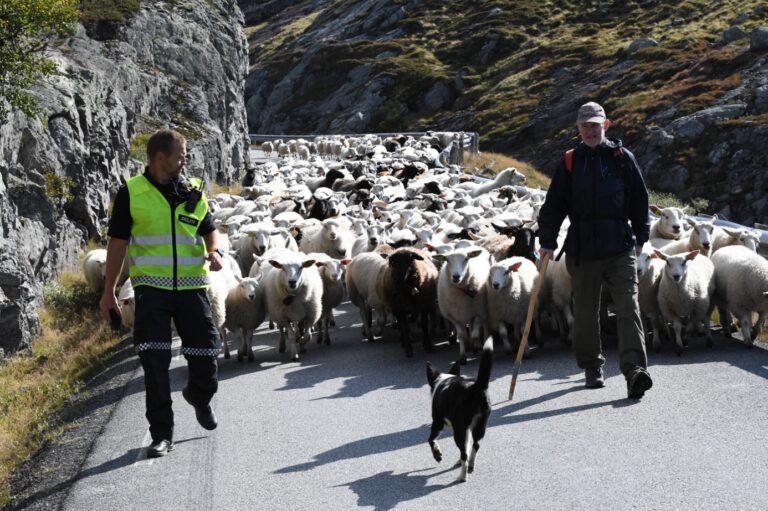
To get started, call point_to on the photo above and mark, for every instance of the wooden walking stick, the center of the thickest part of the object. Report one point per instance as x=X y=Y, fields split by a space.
x=528 y=321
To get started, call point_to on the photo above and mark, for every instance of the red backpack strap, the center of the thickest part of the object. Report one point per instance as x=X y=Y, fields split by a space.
x=569 y=160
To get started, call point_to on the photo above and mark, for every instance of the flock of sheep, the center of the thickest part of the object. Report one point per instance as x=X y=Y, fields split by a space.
x=406 y=236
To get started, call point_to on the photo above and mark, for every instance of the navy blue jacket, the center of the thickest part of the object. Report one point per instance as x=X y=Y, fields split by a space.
x=607 y=218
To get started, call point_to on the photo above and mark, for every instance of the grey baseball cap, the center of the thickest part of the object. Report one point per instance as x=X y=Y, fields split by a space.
x=590 y=112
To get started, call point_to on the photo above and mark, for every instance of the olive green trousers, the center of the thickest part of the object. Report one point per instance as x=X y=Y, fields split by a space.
x=619 y=275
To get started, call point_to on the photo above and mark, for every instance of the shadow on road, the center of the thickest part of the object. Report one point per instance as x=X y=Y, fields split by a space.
x=385 y=490
x=126 y=459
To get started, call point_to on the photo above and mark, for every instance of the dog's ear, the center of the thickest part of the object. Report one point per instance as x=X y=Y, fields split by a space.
x=432 y=374
x=455 y=368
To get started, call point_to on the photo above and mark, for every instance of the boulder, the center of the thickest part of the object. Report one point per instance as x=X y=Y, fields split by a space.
x=759 y=39
x=639 y=44
x=695 y=124
x=733 y=33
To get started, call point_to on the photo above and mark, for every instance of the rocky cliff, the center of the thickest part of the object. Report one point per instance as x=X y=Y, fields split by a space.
x=685 y=82
x=175 y=64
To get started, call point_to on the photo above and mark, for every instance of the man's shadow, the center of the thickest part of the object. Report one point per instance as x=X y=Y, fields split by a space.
x=127 y=459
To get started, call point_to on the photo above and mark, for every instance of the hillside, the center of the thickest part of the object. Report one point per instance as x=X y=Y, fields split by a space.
x=692 y=103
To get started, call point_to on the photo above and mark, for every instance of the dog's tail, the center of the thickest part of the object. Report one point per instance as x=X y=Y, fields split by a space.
x=486 y=362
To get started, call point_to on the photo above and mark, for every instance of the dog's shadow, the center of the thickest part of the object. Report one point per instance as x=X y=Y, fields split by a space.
x=385 y=490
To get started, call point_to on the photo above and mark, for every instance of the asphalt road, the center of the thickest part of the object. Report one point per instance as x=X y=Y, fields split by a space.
x=346 y=428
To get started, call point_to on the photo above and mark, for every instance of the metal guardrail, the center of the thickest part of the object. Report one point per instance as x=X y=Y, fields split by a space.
x=469 y=140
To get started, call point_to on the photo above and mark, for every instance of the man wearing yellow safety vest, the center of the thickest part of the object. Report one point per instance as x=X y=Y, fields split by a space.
x=161 y=220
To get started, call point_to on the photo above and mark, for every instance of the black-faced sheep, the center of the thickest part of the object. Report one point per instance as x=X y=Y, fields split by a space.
x=409 y=286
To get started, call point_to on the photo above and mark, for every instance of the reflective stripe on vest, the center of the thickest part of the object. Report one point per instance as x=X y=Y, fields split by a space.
x=165 y=250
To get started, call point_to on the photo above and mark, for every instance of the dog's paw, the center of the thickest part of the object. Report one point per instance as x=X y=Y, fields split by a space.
x=437 y=453
x=470 y=469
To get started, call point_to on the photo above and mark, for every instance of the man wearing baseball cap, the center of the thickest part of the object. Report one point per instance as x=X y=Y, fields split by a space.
x=599 y=187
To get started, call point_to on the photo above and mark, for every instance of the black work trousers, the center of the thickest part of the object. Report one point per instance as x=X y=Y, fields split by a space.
x=190 y=311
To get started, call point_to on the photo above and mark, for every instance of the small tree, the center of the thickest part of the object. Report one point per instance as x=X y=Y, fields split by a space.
x=26 y=27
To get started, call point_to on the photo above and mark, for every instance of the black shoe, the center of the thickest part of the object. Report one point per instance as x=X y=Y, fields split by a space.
x=204 y=414
x=638 y=383
x=159 y=449
x=594 y=377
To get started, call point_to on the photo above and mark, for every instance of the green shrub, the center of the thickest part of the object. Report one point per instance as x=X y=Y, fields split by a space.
x=115 y=11
x=58 y=188
x=67 y=300
x=139 y=146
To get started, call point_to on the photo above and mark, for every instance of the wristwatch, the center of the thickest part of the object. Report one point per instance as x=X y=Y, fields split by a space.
x=219 y=251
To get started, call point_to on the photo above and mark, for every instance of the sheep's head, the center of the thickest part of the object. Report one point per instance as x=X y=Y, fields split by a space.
x=333 y=269
x=457 y=263
x=249 y=287
x=701 y=234
x=500 y=274
x=259 y=239
x=676 y=266
x=331 y=229
x=670 y=221
x=403 y=270
x=292 y=271
x=510 y=176
x=745 y=237
x=644 y=262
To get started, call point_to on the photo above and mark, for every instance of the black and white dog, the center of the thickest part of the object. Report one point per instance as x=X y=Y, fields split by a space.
x=463 y=405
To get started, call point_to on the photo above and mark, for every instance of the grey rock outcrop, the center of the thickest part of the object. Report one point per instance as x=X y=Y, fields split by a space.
x=695 y=124
x=759 y=39
x=181 y=67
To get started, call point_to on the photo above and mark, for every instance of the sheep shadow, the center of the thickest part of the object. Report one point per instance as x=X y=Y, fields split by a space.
x=731 y=351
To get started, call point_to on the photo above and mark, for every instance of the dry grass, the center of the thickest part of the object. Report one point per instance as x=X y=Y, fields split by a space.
x=216 y=188
x=33 y=386
x=498 y=162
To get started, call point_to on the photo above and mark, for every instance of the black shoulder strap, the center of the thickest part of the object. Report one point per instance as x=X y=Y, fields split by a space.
x=622 y=164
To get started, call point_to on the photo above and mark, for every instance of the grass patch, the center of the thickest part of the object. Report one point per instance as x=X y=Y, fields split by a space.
x=113 y=11
x=33 y=386
x=232 y=189
x=139 y=146
x=497 y=162
x=695 y=205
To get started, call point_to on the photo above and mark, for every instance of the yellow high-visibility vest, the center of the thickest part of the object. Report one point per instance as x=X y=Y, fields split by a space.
x=165 y=250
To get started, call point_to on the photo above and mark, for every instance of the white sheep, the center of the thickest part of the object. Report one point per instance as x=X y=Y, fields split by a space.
x=245 y=311
x=649 y=271
x=331 y=237
x=293 y=293
x=95 y=269
x=507 y=177
x=267 y=148
x=126 y=298
x=461 y=293
x=685 y=290
x=510 y=283
x=556 y=296
x=332 y=275
x=369 y=240
x=669 y=225
x=741 y=288
x=724 y=237
x=362 y=275
x=217 y=293
x=699 y=238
